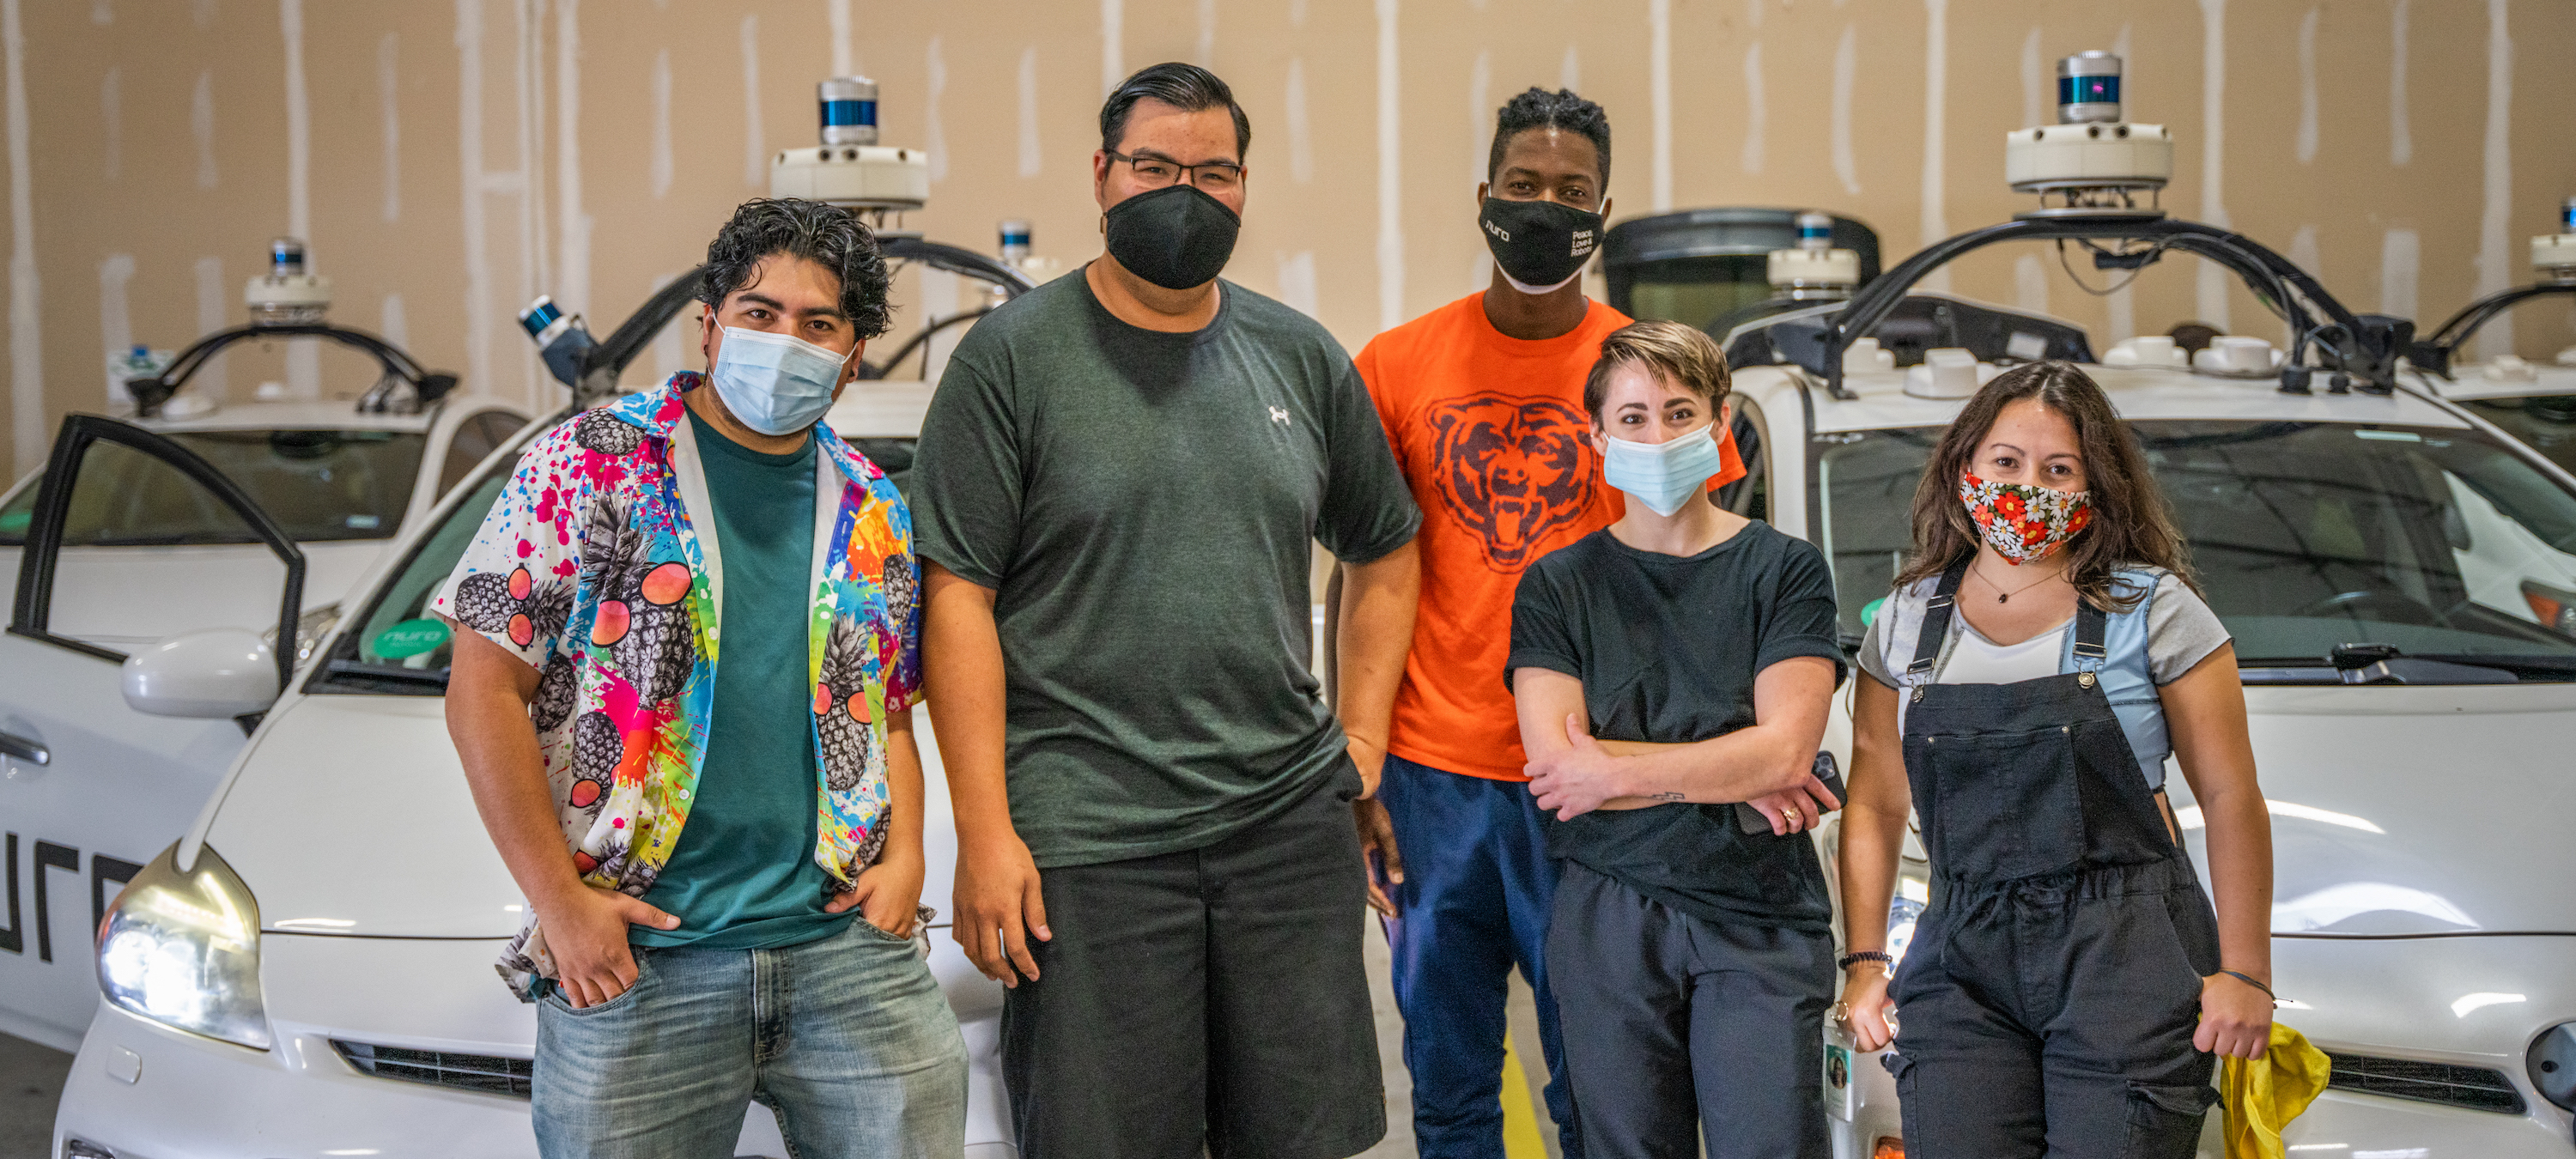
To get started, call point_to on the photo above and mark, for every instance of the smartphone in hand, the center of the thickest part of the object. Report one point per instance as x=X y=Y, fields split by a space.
x=1751 y=820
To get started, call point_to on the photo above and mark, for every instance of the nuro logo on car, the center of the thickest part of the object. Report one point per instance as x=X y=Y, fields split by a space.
x=410 y=638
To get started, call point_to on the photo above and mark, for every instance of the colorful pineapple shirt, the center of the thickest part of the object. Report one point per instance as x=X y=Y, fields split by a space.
x=591 y=569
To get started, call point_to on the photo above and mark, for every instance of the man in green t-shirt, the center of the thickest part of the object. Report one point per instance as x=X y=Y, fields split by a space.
x=720 y=846
x=1120 y=477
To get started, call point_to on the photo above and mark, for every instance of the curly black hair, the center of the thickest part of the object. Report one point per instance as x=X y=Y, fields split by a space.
x=1537 y=108
x=827 y=235
x=1186 y=87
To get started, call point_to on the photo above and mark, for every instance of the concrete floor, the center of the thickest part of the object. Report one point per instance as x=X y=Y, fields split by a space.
x=1528 y=1133
x=31 y=1080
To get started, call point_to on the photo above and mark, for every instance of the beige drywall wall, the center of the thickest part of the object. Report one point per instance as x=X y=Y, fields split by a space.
x=450 y=160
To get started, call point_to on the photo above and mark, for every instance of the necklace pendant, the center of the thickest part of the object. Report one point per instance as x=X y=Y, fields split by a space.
x=2002 y=598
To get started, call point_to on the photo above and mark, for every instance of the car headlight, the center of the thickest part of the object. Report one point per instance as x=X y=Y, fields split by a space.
x=2553 y=1065
x=182 y=948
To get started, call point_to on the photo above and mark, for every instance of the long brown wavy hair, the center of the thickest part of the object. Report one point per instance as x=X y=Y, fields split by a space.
x=2131 y=524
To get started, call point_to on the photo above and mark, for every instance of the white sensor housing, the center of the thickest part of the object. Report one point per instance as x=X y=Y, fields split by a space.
x=1946 y=373
x=2088 y=156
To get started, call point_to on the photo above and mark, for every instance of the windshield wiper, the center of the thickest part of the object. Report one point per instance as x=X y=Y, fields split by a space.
x=2385 y=664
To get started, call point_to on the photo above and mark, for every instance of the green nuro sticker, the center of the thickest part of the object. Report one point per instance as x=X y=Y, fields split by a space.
x=410 y=638
x=1869 y=611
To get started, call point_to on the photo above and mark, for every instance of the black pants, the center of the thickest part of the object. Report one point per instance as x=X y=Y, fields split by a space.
x=1676 y=1026
x=2054 y=1017
x=1209 y=998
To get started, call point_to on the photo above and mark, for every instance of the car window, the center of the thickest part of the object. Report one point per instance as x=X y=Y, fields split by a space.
x=1699 y=291
x=397 y=646
x=317 y=484
x=2546 y=424
x=1749 y=496
x=892 y=456
x=475 y=438
x=2304 y=536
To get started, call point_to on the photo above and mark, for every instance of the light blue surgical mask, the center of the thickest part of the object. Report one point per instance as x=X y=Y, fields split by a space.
x=1664 y=475
x=777 y=384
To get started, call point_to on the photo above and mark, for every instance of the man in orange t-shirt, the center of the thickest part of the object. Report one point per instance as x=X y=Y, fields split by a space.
x=1483 y=405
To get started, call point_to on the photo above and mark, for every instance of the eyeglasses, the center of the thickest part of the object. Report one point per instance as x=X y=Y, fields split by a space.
x=1157 y=172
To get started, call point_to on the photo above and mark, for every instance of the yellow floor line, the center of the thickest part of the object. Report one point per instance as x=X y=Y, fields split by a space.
x=1520 y=1119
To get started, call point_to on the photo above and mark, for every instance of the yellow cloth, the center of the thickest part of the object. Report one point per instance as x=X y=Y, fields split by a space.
x=2262 y=1095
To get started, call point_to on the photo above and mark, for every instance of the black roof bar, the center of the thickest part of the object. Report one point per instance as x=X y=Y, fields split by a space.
x=2433 y=355
x=151 y=391
x=2364 y=346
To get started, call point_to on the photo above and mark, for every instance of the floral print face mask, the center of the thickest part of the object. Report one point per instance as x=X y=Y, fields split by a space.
x=2024 y=521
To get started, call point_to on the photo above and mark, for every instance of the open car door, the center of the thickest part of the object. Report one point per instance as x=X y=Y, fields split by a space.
x=119 y=716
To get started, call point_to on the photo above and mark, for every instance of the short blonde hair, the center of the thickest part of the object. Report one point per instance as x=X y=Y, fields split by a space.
x=1672 y=351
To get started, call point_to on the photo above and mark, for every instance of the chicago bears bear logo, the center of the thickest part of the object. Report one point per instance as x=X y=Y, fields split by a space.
x=1513 y=470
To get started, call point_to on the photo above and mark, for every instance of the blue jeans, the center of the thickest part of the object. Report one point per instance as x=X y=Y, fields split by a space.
x=1478 y=889
x=847 y=1038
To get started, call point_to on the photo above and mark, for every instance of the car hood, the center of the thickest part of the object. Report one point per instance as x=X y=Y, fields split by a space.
x=351 y=816
x=2402 y=811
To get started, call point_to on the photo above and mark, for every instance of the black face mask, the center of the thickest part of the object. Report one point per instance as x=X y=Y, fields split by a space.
x=1539 y=244
x=1176 y=237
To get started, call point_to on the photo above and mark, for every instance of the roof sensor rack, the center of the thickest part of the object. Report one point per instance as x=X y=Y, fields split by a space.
x=2553 y=256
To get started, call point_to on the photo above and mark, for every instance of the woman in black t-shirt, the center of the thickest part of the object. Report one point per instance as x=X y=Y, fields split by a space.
x=1668 y=669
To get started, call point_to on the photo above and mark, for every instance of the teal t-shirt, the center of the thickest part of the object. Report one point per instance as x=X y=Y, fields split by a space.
x=743 y=876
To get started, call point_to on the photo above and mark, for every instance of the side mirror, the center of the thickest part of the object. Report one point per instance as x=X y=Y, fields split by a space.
x=217 y=672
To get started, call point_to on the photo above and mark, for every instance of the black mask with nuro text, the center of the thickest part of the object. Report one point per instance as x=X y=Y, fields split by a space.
x=1176 y=237
x=1540 y=245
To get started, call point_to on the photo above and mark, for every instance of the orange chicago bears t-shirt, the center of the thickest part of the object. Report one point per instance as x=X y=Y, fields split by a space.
x=1489 y=431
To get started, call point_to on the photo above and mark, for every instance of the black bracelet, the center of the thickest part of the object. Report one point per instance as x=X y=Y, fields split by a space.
x=2248 y=979
x=1880 y=956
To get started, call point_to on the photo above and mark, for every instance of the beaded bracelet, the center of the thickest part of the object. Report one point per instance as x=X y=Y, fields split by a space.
x=2248 y=979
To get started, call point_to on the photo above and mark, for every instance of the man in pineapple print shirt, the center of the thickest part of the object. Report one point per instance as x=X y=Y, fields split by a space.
x=723 y=860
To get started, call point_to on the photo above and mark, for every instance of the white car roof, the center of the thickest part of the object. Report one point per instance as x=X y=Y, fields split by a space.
x=2140 y=393
x=2470 y=381
x=883 y=409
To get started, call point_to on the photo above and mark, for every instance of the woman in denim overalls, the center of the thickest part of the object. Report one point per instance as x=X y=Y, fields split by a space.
x=2067 y=990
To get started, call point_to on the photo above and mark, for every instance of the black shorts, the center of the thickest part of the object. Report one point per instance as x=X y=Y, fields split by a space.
x=1211 y=998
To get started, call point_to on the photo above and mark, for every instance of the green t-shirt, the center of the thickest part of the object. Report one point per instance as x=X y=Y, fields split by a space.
x=743 y=876
x=1143 y=504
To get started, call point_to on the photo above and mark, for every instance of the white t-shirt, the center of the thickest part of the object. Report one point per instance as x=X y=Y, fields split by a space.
x=1978 y=660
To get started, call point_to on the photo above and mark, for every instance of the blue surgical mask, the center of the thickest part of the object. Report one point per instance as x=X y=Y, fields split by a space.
x=776 y=384
x=1664 y=475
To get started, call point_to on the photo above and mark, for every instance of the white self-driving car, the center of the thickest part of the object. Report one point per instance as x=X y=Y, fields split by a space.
x=149 y=557
x=2372 y=552
x=302 y=974
x=140 y=550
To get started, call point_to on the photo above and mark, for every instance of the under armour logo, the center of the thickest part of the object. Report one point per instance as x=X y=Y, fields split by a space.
x=1279 y=415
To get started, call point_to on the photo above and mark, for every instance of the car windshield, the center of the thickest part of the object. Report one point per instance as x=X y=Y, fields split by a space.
x=398 y=646
x=2546 y=424
x=2443 y=543
x=317 y=484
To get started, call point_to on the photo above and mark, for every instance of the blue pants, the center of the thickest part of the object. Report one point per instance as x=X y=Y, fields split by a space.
x=1478 y=888
x=847 y=1038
